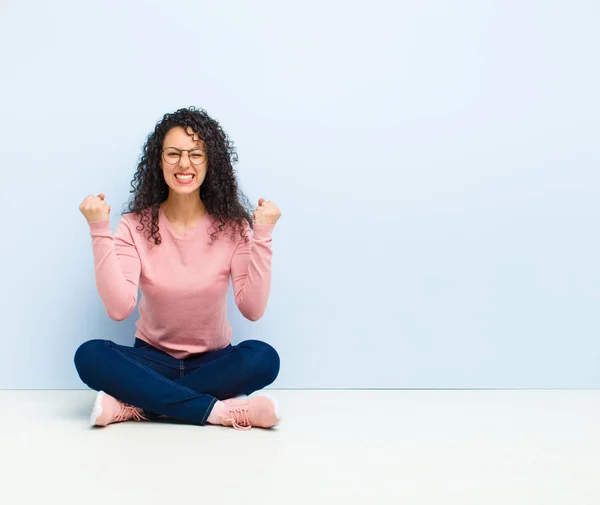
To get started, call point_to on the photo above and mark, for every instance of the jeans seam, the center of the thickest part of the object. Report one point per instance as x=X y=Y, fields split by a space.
x=193 y=369
x=153 y=360
x=156 y=374
x=213 y=401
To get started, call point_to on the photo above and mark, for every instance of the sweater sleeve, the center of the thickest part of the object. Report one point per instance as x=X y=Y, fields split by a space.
x=117 y=267
x=251 y=271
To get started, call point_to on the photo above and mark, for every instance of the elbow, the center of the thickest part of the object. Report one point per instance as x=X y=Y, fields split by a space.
x=253 y=316
x=119 y=315
x=121 y=311
x=251 y=310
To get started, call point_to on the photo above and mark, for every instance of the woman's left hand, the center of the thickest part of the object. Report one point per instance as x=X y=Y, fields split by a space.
x=266 y=212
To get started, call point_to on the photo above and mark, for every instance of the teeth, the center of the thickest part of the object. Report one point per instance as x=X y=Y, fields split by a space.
x=186 y=177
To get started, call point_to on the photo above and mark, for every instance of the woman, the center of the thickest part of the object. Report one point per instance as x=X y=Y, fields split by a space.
x=182 y=364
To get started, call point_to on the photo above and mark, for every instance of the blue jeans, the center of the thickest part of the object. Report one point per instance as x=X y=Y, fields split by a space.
x=182 y=389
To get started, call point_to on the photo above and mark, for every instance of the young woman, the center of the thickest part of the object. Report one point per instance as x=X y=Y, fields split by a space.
x=185 y=235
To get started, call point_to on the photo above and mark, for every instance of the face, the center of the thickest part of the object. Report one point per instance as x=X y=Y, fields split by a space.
x=176 y=159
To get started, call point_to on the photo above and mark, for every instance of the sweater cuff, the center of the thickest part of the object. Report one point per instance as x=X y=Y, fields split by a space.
x=263 y=230
x=99 y=227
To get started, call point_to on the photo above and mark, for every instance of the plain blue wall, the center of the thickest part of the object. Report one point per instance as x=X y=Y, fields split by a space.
x=436 y=164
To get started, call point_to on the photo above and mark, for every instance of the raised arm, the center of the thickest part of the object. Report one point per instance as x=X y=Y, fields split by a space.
x=117 y=267
x=251 y=271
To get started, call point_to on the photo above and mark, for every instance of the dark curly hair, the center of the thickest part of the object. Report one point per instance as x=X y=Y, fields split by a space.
x=219 y=191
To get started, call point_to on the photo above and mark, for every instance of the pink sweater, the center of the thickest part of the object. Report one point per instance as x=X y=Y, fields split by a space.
x=183 y=281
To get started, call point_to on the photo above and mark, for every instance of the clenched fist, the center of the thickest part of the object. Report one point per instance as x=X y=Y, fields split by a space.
x=94 y=208
x=266 y=212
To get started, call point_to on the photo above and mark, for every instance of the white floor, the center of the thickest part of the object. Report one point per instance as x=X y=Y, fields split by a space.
x=333 y=447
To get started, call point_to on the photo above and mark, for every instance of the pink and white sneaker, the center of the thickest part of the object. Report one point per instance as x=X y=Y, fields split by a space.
x=242 y=412
x=108 y=409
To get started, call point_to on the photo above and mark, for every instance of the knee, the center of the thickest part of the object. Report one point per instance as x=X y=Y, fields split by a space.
x=265 y=360
x=86 y=358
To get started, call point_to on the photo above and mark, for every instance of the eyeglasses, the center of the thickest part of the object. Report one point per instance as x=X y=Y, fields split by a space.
x=172 y=155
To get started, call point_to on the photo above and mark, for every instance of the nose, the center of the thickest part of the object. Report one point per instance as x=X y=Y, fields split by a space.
x=184 y=159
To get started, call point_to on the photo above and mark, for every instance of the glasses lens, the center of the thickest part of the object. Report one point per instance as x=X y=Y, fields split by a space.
x=171 y=156
x=197 y=157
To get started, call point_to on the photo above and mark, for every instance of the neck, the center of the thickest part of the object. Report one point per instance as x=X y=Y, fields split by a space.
x=184 y=209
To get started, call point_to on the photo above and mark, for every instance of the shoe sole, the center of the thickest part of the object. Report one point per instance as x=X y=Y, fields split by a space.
x=97 y=410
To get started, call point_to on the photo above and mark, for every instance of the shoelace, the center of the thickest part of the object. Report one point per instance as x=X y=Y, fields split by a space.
x=127 y=412
x=239 y=417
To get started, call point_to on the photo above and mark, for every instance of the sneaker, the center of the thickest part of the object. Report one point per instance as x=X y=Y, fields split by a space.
x=243 y=413
x=108 y=409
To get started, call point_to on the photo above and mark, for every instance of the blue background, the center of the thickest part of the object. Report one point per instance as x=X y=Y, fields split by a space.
x=436 y=164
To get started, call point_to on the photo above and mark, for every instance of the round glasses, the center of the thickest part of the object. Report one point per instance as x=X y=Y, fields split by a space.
x=172 y=155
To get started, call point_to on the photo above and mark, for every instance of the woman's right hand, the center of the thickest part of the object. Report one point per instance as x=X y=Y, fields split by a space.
x=94 y=208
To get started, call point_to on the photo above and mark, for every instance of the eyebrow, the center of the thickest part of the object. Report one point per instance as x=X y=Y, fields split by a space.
x=179 y=149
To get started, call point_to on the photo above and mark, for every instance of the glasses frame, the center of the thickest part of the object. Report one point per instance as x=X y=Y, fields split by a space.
x=162 y=155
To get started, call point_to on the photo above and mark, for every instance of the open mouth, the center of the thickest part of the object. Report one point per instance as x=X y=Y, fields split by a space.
x=184 y=179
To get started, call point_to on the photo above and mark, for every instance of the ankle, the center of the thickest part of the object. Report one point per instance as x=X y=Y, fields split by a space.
x=217 y=412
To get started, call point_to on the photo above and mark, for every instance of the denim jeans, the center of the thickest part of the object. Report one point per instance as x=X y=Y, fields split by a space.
x=182 y=389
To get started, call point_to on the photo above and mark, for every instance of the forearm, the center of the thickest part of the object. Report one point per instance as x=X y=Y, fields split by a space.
x=254 y=281
x=118 y=294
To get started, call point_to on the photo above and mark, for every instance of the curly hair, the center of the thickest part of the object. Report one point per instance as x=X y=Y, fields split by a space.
x=219 y=191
